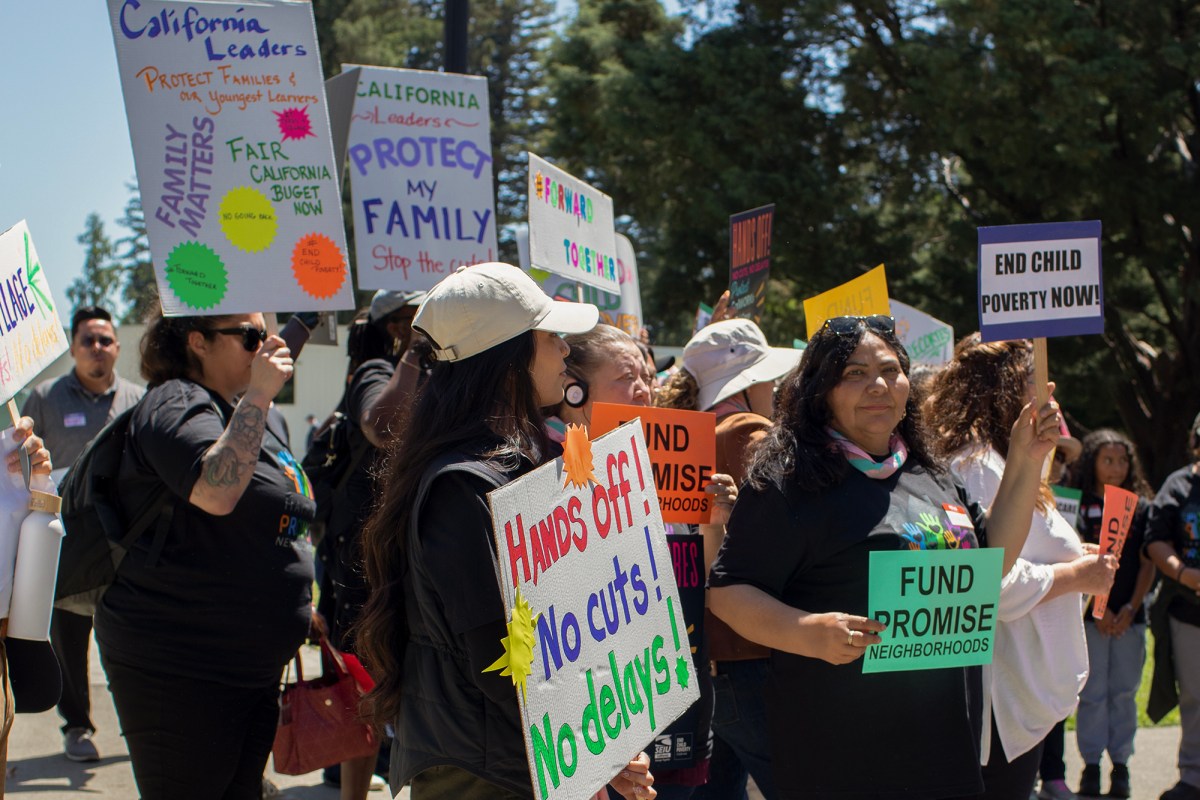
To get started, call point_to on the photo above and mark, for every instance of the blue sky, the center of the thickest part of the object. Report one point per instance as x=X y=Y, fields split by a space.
x=64 y=144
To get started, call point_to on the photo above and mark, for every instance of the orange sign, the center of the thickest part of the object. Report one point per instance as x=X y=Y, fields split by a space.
x=683 y=454
x=1119 y=506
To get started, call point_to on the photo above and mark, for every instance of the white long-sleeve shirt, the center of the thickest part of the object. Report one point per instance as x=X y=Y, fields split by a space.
x=1040 y=658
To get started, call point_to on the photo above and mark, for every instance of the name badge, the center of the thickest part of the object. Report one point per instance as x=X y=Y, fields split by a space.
x=958 y=516
x=76 y=420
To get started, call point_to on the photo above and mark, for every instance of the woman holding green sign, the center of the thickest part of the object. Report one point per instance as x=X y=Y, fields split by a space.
x=845 y=470
x=1041 y=660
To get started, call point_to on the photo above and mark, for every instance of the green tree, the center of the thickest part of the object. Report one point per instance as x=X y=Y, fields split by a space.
x=97 y=283
x=138 y=290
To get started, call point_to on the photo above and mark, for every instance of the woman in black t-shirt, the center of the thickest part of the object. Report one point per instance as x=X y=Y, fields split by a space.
x=213 y=601
x=845 y=470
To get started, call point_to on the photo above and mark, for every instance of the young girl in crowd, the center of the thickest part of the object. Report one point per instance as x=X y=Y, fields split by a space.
x=435 y=617
x=1107 y=716
x=1040 y=657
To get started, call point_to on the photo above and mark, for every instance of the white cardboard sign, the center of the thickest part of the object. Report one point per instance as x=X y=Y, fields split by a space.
x=622 y=311
x=571 y=229
x=31 y=335
x=610 y=664
x=420 y=167
x=927 y=339
x=230 y=131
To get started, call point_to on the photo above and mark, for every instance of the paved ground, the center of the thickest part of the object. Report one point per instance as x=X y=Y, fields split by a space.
x=36 y=767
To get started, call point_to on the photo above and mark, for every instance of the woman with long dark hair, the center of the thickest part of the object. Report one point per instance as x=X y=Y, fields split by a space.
x=1040 y=661
x=844 y=470
x=435 y=617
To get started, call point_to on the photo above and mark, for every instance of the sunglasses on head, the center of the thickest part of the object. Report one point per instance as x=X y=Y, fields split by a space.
x=251 y=337
x=848 y=326
x=92 y=339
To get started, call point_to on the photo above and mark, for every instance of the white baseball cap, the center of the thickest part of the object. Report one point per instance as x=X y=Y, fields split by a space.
x=727 y=357
x=385 y=303
x=478 y=307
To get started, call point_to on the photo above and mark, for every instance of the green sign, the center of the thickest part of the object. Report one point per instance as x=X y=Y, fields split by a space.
x=1067 y=501
x=939 y=606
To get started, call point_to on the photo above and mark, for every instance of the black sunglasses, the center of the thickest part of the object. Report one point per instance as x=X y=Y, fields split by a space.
x=848 y=326
x=91 y=340
x=251 y=337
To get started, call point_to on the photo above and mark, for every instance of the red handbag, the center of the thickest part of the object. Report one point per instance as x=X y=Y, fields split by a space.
x=319 y=722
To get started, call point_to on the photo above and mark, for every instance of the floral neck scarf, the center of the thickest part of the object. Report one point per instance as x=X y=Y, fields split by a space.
x=862 y=461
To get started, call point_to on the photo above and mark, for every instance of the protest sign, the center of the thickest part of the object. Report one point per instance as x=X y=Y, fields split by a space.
x=1040 y=280
x=675 y=748
x=1067 y=501
x=939 y=606
x=622 y=311
x=704 y=314
x=927 y=339
x=750 y=261
x=571 y=230
x=597 y=642
x=865 y=295
x=420 y=166
x=1119 y=508
x=31 y=335
x=231 y=142
x=683 y=454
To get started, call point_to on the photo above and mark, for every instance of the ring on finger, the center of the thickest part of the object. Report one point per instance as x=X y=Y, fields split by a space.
x=850 y=638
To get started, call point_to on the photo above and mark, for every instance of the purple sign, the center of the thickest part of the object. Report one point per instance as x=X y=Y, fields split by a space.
x=1040 y=280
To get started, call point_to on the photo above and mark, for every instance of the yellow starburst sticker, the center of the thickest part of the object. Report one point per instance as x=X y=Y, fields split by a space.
x=517 y=661
x=577 y=457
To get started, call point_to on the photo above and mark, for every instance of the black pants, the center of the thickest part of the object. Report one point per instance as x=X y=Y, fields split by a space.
x=191 y=739
x=1053 y=767
x=70 y=635
x=1005 y=780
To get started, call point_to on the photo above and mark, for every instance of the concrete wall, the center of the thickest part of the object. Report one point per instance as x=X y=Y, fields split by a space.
x=320 y=374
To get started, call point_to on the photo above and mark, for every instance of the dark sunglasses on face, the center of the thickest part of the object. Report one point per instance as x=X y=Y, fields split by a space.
x=91 y=340
x=251 y=337
x=848 y=326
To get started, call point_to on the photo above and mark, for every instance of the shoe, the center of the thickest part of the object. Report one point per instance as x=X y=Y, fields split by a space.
x=1089 y=781
x=1056 y=790
x=378 y=784
x=1118 y=781
x=270 y=790
x=1181 y=791
x=78 y=745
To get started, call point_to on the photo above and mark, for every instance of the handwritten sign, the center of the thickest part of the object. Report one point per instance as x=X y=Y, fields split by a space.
x=865 y=295
x=420 y=166
x=584 y=563
x=750 y=261
x=1067 y=501
x=571 y=231
x=683 y=454
x=31 y=335
x=939 y=606
x=927 y=339
x=231 y=141
x=622 y=311
x=1119 y=508
x=1040 y=280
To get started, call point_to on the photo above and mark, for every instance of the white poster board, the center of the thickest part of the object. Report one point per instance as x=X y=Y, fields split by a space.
x=227 y=114
x=571 y=230
x=927 y=339
x=420 y=167
x=31 y=335
x=622 y=311
x=587 y=578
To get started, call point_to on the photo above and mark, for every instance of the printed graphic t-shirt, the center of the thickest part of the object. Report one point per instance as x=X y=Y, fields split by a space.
x=1175 y=518
x=920 y=730
x=228 y=598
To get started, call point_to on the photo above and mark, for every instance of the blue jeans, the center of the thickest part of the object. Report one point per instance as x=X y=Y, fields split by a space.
x=741 y=746
x=1107 y=716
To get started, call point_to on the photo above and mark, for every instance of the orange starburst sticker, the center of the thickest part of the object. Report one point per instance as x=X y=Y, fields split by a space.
x=577 y=457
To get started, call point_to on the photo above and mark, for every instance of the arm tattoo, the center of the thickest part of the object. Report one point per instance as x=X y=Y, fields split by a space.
x=236 y=452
